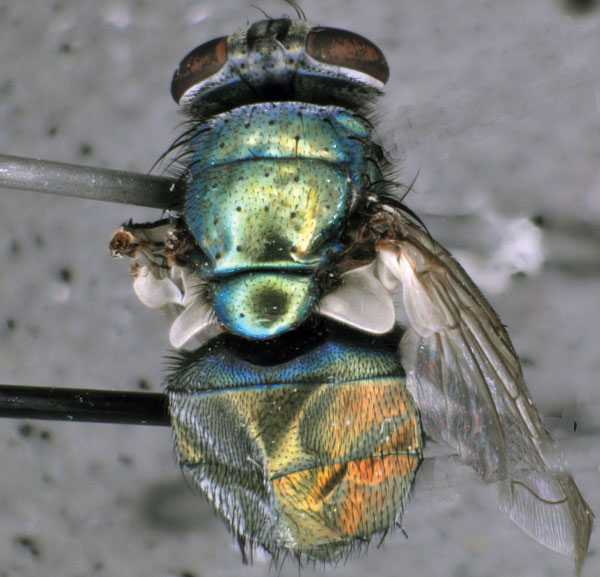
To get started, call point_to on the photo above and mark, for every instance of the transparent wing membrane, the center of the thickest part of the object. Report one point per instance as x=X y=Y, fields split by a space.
x=467 y=381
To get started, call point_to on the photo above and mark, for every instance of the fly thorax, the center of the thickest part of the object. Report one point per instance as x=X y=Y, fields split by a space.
x=272 y=186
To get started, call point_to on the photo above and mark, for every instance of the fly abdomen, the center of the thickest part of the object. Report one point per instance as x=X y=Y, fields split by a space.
x=246 y=433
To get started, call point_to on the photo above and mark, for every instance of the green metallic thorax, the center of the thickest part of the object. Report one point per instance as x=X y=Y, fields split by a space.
x=272 y=188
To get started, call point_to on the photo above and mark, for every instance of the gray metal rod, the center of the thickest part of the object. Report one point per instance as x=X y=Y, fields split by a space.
x=88 y=182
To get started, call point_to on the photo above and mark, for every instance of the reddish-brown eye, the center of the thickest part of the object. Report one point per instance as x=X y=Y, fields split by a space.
x=343 y=48
x=198 y=65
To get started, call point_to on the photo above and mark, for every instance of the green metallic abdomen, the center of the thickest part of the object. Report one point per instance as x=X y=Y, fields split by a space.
x=312 y=455
x=271 y=191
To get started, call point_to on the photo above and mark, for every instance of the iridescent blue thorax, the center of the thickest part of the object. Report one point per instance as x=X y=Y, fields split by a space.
x=272 y=186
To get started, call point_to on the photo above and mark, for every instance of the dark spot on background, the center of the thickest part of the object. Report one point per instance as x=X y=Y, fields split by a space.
x=29 y=544
x=25 y=430
x=6 y=88
x=85 y=149
x=125 y=460
x=527 y=362
x=171 y=506
x=65 y=275
x=143 y=385
x=539 y=221
x=11 y=324
x=580 y=6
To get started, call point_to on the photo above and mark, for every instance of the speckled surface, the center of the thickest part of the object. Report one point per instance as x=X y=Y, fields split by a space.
x=495 y=104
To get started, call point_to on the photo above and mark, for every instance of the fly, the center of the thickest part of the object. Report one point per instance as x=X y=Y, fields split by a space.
x=300 y=406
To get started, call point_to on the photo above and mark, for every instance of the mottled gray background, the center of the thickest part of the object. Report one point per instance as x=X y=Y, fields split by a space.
x=496 y=103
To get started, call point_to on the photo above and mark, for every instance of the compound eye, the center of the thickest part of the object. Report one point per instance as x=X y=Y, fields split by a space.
x=198 y=65
x=342 y=48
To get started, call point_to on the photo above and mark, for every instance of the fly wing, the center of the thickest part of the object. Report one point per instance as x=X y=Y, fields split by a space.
x=467 y=382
